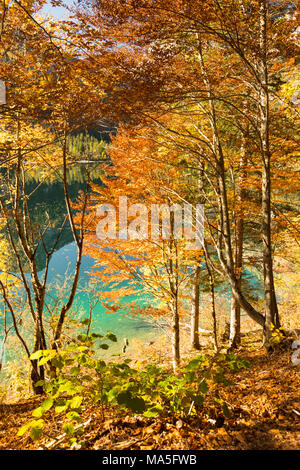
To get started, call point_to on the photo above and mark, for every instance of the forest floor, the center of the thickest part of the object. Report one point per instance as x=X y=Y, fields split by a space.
x=264 y=404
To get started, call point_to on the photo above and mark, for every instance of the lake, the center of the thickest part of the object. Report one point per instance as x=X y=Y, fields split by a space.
x=49 y=199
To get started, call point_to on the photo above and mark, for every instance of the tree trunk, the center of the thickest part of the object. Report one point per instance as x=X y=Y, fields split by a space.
x=176 y=335
x=235 y=314
x=235 y=324
x=224 y=235
x=195 y=343
x=37 y=374
x=271 y=310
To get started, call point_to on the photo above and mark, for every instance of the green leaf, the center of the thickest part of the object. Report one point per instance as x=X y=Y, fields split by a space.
x=111 y=396
x=48 y=355
x=198 y=400
x=39 y=383
x=100 y=365
x=24 y=428
x=38 y=412
x=136 y=404
x=47 y=404
x=74 y=416
x=82 y=338
x=67 y=387
x=190 y=377
x=112 y=337
x=96 y=336
x=86 y=378
x=76 y=402
x=104 y=346
x=225 y=410
x=194 y=363
x=154 y=411
x=36 y=429
x=68 y=429
x=36 y=355
x=230 y=357
x=123 y=398
x=58 y=362
x=203 y=387
x=44 y=360
x=61 y=408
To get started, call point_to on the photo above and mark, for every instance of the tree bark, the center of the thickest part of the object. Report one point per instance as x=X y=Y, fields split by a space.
x=176 y=335
x=235 y=314
x=271 y=309
x=195 y=343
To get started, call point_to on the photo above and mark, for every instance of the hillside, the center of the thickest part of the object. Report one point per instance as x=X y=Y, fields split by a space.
x=264 y=413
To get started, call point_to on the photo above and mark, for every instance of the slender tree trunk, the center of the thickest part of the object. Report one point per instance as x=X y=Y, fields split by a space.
x=224 y=235
x=235 y=324
x=212 y=296
x=235 y=314
x=271 y=310
x=176 y=335
x=37 y=374
x=213 y=310
x=195 y=343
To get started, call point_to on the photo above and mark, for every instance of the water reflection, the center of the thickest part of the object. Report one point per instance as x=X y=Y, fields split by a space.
x=47 y=202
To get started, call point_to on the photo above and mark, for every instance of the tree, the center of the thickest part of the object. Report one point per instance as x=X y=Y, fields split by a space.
x=162 y=47
x=139 y=259
x=47 y=101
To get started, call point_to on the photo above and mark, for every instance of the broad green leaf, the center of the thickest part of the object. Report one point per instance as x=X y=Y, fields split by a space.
x=194 y=363
x=47 y=404
x=68 y=429
x=38 y=412
x=76 y=402
x=203 y=387
x=24 y=428
x=190 y=377
x=136 y=404
x=61 y=408
x=123 y=398
x=154 y=411
x=74 y=416
x=39 y=383
x=225 y=410
x=198 y=400
x=36 y=355
x=36 y=429
x=82 y=338
x=44 y=360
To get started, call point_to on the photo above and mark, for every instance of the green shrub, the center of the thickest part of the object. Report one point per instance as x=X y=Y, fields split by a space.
x=82 y=379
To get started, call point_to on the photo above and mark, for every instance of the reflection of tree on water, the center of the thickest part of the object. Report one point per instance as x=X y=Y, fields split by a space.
x=47 y=202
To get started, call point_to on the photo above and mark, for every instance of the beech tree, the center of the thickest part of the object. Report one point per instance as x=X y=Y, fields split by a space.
x=162 y=47
x=140 y=254
x=46 y=102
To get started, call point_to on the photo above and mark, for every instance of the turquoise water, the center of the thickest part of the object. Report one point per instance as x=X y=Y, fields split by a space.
x=49 y=199
x=124 y=326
